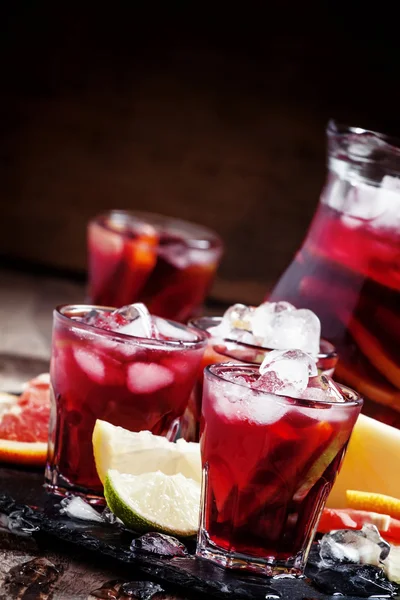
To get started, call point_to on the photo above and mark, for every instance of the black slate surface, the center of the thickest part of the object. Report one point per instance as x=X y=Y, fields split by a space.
x=191 y=577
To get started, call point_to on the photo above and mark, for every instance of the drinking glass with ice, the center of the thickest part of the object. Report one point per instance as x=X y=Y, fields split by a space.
x=123 y=366
x=246 y=334
x=167 y=263
x=273 y=438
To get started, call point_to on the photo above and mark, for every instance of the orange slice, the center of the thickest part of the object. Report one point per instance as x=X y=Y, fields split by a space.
x=371 y=347
x=24 y=423
x=23 y=453
x=386 y=505
x=368 y=386
x=143 y=248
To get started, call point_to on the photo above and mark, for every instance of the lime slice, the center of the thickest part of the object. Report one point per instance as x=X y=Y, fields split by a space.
x=154 y=501
x=189 y=462
x=142 y=452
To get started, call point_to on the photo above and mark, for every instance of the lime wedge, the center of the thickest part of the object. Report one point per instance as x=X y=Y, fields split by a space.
x=154 y=501
x=136 y=453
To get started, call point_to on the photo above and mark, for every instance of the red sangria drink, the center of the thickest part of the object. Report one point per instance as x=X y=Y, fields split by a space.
x=167 y=263
x=122 y=366
x=246 y=334
x=348 y=269
x=272 y=442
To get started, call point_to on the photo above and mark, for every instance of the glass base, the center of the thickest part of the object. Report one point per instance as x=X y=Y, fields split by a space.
x=268 y=567
x=58 y=485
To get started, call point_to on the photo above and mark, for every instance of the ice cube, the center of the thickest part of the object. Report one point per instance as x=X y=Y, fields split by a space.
x=108 y=517
x=91 y=364
x=348 y=546
x=103 y=369
x=263 y=411
x=95 y=318
x=147 y=378
x=389 y=196
x=263 y=317
x=76 y=507
x=349 y=579
x=140 y=590
x=138 y=321
x=16 y=522
x=235 y=320
x=173 y=332
x=299 y=329
x=323 y=389
x=362 y=201
x=159 y=544
x=175 y=253
x=286 y=373
x=236 y=403
x=133 y=319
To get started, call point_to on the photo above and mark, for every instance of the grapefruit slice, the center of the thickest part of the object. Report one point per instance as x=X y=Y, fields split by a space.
x=24 y=423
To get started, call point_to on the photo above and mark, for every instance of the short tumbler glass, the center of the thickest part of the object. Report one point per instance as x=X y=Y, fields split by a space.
x=167 y=263
x=219 y=351
x=269 y=463
x=136 y=383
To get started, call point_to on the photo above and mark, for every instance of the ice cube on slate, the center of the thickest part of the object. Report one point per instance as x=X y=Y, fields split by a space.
x=286 y=372
x=347 y=546
x=159 y=544
x=76 y=507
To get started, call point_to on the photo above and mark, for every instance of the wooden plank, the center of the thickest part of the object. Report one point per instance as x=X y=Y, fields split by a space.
x=26 y=572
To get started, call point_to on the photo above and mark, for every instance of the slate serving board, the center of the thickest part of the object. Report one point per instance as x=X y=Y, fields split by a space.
x=179 y=577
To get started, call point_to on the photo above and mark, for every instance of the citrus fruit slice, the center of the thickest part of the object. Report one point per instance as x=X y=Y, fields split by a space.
x=142 y=452
x=391 y=565
x=154 y=501
x=24 y=423
x=366 y=466
x=376 y=502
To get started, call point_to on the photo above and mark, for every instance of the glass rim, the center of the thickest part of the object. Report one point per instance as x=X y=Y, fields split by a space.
x=203 y=238
x=199 y=342
x=210 y=371
x=328 y=354
x=340 y=129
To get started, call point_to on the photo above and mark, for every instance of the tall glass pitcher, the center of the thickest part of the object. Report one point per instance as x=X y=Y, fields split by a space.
x=348 y=268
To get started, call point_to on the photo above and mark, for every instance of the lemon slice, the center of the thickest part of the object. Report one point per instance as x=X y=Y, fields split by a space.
x=154 y=501
x=142 y=452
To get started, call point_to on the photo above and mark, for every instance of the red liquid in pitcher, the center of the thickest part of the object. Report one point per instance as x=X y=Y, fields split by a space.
x=267 y=478
x=170 y=273
x=126 y=383
x=348 y=273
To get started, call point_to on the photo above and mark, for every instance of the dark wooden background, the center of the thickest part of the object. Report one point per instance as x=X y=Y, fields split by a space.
x=209 y=111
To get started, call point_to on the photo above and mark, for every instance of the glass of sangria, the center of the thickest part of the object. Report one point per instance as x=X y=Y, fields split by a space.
x=167 y=263
x=121 y=366
x=348 y=270
x=272 y=441
x=240 y=336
